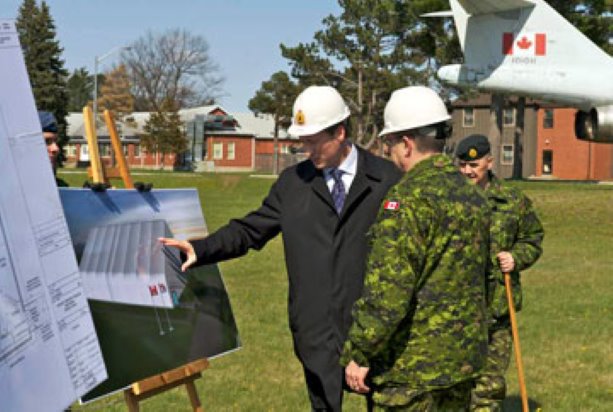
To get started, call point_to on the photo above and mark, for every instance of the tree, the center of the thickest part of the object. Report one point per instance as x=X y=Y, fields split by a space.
x=42 y=54
x=276 y=97
x=164 y=132
x=80 y=87
x=115 y=94
x=591 y=17
x=174 y=66
x=365 y=53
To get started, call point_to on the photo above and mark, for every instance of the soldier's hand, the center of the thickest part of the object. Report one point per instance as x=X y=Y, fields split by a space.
x=355 y=376
x=506 y=262
x=184 y=247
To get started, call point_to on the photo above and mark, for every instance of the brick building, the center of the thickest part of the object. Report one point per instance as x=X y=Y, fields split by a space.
x=561 y=155
x=217 y=141
x=472 y=116
x=546 y=149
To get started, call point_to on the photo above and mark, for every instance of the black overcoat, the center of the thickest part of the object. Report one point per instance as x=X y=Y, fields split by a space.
x=324 y=253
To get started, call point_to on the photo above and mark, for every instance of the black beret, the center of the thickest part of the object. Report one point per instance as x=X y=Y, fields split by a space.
x=473 y=147
x=47 y=122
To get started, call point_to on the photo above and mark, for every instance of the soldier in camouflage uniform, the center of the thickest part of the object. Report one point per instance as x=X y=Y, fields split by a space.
x=419 y=336
x=516 y=235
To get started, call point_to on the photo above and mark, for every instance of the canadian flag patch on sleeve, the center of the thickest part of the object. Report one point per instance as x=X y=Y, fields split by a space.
x=391 y=205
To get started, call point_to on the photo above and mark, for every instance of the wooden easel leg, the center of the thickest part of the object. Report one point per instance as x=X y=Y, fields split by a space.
x=193 y=396
x=131 y=400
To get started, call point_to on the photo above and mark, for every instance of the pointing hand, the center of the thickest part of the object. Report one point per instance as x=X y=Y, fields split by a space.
x=184 y=247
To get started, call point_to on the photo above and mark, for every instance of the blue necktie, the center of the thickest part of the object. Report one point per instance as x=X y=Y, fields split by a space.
x=338 y=190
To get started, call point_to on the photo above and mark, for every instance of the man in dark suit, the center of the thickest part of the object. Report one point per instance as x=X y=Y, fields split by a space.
x=324 y=206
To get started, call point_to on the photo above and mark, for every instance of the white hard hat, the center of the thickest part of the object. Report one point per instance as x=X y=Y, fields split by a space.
x=413 y=107
x=317 y=108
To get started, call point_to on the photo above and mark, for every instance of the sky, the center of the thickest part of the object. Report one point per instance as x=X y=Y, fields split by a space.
x=243 y=35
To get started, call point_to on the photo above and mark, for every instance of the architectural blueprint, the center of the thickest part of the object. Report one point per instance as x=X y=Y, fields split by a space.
x=49 y=351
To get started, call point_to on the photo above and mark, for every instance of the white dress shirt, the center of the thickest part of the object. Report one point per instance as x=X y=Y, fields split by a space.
x=349 y=166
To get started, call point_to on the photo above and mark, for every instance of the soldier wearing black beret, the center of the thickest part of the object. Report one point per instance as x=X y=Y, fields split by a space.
x=516 y=235
x=473 y=147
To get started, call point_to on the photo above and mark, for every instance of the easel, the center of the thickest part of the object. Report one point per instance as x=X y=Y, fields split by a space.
x=183 y=375
x=97 y=171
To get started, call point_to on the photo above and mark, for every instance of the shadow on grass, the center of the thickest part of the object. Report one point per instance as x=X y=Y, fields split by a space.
x=513 y=404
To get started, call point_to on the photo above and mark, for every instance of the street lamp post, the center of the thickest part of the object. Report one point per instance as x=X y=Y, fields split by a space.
x=97 y=60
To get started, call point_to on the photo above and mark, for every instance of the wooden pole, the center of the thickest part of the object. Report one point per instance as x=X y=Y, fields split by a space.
x=183 y=375
x=516 y=346
x=97 y=169
x=115 y=141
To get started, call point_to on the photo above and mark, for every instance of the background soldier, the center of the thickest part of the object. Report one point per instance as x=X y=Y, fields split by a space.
x=516 y=235
x=419 y=330
x=49 y=128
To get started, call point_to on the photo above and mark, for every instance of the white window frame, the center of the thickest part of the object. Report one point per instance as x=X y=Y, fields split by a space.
x=217 y=150
x=71 y=149
x=464 y=122
x=504 y=117
x=503 y=160
x=231 y=151
x=105 y=149
x=545 y=118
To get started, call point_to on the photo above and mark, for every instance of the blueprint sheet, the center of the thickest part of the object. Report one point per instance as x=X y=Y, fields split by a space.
x=49 y=352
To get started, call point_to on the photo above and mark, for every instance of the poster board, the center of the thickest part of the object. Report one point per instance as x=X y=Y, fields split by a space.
x=139 y=340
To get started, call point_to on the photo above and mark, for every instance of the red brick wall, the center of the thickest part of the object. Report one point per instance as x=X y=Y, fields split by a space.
x=243 y=151
x=217 y=112
x=572 y=158
x=267 y=146
x=146 y=160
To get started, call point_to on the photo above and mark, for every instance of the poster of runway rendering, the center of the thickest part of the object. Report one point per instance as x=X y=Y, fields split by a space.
x=150 y=317
x=125 y=263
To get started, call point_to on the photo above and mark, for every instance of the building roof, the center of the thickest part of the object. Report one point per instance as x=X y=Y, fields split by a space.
x=76 y=125
x=261 y=126
x=191 y=112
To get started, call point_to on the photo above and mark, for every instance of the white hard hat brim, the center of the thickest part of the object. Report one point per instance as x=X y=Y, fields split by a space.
x=308 y=130
x=395 y=129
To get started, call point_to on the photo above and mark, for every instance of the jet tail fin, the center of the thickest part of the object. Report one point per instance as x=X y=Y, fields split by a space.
x=493 y=33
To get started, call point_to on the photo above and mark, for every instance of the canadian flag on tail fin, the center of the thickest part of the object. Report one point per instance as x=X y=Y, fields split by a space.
x=524 y=44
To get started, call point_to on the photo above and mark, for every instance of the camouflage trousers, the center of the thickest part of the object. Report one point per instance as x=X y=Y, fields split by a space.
x=490 y=387
x=452 y=399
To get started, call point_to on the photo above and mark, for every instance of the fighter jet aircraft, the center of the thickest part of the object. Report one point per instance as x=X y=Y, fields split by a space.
x=525 y=48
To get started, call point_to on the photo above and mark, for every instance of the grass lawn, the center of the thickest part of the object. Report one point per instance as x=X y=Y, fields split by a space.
x=565 y=328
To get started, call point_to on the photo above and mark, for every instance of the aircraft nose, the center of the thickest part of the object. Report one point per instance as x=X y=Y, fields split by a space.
x=449 y=74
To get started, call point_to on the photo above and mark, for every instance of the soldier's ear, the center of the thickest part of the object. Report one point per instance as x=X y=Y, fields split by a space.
x=408 y=145
x=490 y=162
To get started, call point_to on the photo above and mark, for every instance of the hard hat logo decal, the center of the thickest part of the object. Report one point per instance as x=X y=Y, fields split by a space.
x=472 y=153
x=300 y=118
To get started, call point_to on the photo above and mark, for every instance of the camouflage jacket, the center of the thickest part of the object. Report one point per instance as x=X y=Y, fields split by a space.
x=421 y=322
x=515 y=228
